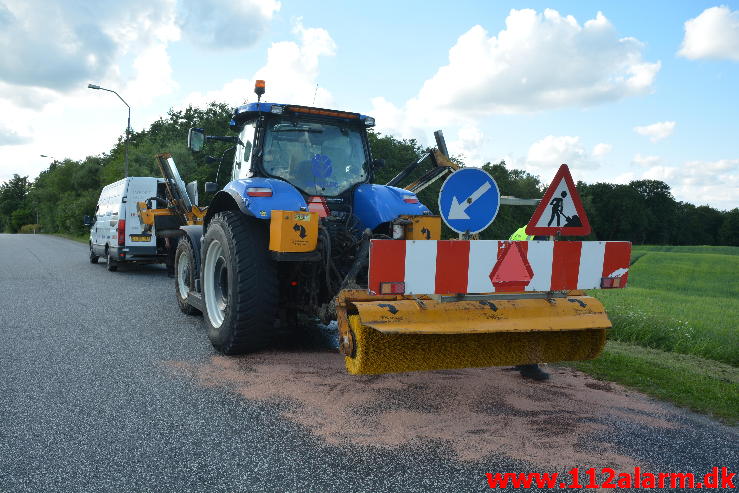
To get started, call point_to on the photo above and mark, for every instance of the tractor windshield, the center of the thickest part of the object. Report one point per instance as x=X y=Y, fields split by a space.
x=318 y=158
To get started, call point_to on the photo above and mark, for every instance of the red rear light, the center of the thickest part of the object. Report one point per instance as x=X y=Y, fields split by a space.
x=392 y=287
x=121 y=232
x=259 y=192
x=610 y=282
x=410 y=199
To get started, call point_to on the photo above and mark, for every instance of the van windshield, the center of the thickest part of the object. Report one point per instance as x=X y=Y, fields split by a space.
x=318 y=158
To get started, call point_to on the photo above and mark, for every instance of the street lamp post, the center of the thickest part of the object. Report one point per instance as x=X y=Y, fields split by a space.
x=128 y=125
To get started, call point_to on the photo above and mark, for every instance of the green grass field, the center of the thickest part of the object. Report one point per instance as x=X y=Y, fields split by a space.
x=680 y=299
x=702 y=385
x=675 y=328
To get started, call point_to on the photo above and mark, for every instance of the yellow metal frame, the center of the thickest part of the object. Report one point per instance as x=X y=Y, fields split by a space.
x=394 y=333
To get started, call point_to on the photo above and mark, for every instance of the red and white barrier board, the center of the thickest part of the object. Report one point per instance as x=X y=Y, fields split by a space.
x=488 y=266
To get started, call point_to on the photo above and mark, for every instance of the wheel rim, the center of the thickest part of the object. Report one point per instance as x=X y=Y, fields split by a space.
x=215 y=283
x=183 y=274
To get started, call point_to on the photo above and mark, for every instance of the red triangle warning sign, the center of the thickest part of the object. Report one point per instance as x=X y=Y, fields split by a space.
x=512 y=272
x=560 y=211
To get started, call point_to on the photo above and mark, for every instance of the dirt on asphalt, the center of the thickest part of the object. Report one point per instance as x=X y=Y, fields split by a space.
x=476 y=412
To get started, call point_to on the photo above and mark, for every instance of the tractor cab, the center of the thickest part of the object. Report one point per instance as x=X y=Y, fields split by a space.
x=322 y=153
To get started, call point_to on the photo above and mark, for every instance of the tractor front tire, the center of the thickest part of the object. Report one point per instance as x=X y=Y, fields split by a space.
x=184 y=273
x=239 y=281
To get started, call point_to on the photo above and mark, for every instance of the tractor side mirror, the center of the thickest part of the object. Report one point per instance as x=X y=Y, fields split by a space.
x=210 y=187
x=195 y=139
x=378 y=163
x=87 y=221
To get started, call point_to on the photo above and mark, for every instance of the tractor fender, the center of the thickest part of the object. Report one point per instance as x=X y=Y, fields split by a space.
x=234 y=196
x=377 y=204
x=194 y=234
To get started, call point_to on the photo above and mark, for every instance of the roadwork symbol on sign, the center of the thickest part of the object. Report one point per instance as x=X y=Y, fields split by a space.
x=469 y=200
x=560 y=212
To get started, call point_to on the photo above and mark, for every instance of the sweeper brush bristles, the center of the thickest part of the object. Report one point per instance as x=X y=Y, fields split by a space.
x=377 y=352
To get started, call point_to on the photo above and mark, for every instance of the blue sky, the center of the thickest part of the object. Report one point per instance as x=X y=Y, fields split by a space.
x=618 y=90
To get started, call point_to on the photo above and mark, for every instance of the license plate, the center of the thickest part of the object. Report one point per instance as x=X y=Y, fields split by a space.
x=140 y=237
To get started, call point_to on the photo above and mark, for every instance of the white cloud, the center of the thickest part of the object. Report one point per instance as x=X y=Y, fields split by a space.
x=539 y=61
x=656 y=131
x=291 y=73
x=153 y=76
x=715 y=183
x=63 y=45
x=9 y=137
x=468 y=145
x=601 y=150
x=225 y=25
x=624 y=178
x=549 y=152
x=713 y=34
x=646 y=161
x=50 y=51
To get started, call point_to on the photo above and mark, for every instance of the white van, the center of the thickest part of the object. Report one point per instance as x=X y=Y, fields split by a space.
x=117 y=233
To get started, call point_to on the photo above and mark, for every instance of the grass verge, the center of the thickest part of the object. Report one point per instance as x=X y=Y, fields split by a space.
x=678 y=301
x=80 y=238
x=699 y=384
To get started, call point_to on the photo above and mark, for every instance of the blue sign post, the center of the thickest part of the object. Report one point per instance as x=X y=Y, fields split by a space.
x=469 y=200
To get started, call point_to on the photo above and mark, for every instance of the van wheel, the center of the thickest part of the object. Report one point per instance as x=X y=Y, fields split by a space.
x=93 y=258
x=111 y=264
x=184 y=270
x=240 y=287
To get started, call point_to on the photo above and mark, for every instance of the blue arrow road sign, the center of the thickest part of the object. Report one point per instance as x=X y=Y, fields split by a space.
x=469 y=200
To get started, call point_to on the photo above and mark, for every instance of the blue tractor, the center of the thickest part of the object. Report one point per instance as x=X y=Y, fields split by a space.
x=301 y=228
x=293 y=226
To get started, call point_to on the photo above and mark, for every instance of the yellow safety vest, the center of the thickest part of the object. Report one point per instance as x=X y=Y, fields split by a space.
x=520 y=235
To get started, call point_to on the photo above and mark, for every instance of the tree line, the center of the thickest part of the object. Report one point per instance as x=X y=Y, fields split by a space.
x=643 y=211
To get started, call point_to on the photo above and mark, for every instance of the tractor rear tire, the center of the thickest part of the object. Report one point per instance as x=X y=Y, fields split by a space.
x=184 y=275
x=240 y=286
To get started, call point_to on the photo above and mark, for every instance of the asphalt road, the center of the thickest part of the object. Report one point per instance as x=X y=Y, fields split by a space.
x=106 y=386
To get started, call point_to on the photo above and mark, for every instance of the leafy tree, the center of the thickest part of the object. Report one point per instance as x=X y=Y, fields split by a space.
x=660 y=210
x=729 y=231
x=514 y=183
x=14 y=209
x=616 y=212
x=643 y=211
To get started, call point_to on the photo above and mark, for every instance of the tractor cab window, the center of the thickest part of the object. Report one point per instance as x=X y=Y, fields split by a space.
x=242 y=158
x=318 y=158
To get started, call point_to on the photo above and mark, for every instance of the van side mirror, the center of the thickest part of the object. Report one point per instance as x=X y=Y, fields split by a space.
x=195 y=139
x=378 y=163
x=87 y=221
x=210 y=187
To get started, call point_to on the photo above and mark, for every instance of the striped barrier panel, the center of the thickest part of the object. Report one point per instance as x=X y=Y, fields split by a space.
x=489 y=266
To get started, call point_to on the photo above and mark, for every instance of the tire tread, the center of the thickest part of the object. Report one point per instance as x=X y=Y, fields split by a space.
x=256 y=297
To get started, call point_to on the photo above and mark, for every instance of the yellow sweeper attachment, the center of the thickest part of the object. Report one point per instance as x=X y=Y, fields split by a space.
x=401 y=332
